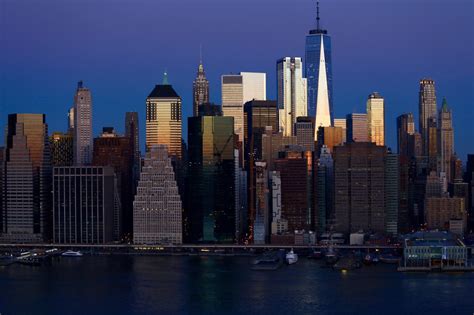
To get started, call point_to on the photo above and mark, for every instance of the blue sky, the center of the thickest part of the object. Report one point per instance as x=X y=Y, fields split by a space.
x=121 y=48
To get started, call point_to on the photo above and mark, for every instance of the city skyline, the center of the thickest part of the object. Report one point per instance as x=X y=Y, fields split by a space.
x=54 y=98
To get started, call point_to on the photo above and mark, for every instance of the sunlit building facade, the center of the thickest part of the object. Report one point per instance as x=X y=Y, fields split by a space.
x=376 y=119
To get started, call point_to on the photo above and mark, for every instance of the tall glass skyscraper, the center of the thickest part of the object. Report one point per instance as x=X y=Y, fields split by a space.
x=318 y=72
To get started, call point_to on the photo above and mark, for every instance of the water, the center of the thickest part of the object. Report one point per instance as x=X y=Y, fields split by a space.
x=225 y=285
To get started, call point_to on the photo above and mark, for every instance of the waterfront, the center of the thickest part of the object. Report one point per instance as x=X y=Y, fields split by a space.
x=121 y=284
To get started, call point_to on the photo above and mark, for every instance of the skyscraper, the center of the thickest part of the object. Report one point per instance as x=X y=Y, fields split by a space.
x=405 y=134
x=342 y=122
x=427 y=109
x=27 y=179
x=376 y=118
x=62 y=149
x=157 y=209
x=211 y=179
x=391 y=193
x=262 y=229
x=82 y=125
x=318 y=72
x=357 y=130
x=132 y=131
x=163 y=118
x=304 y=132
x=200 y=89
x=292 y=93
x=329 y=137
x=237 y=89
x=359 y=183
x=83 y=205
x=116 y=151
x=446 y=140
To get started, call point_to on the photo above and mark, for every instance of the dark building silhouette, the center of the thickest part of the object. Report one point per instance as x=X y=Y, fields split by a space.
x=62 y=149
x=405 y=134
x=210 y=214
x=118 y=152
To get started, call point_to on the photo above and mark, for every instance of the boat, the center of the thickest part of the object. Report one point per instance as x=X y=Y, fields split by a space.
x=71 y=253
x=389 y=259
x=271 y=260
x=347 y=263
x=291 y=257
x=331 y=257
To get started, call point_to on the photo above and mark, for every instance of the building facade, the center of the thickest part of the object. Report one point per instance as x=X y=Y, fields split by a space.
x=200 y=89
x=157 y=208
x=163 y=119
x=62 y=149
x=82 y=125
x=446 y=140
x=376 y=119
x=427 y=109
x=83 y=205
x=292 y=93
x=357 y=128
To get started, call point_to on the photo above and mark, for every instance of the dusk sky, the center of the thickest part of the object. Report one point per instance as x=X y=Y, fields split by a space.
x=121 y=49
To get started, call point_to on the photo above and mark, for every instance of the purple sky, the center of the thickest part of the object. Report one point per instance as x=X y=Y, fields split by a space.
x=121 y=48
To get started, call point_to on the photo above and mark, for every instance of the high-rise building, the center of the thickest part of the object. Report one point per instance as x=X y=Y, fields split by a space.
x=469 y=178
x=324 y=190
x=292 y=93
x=200 y=89
x=116 y=151
x=357 y=130
x=83 y=205
x=432 y=145
x=292 y=167
x=405 y=132
x=318 y=72
x=446 y=140
x=237 y=89
x=27 y=179
x=304 y=132
x=427 y=109
x=376 y=119
x=62 y=149
x=391 y=193
x=342 y=122
x=70 y=121
x=82 y=125
x=330 y=137
x=2 y=187
x=439 y=211
x=261 y=232
x=157 y=208
x=211 y=190
x=132 y=131
x=163 y=118
x=279 y=225
x=359 y=185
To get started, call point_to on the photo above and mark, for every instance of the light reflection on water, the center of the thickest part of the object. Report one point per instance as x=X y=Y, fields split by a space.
x=224 y=285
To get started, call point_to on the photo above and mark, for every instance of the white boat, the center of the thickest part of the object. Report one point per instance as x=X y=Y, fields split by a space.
x=71 y=253
x=291 y=257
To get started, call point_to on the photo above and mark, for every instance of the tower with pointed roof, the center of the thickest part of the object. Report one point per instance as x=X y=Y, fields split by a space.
x=200 y=88
x=446 y=139
x=163 y=118
x=318 y=72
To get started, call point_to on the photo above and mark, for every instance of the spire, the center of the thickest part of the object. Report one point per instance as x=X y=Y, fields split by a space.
x=444 y=106
x=317 y=15
x=165 y=78
x=200 y=54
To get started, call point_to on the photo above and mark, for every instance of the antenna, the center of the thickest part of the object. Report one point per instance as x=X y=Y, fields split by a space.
x=200 y=54
x=317 y=15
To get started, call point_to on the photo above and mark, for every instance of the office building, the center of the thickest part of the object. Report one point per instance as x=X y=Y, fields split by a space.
x=359 y=185
x=279 y=225
x=157 y=208
x=211 y=179
x=440 y=210
x=392 y=180
x=357 y=129
x=432 y=145
x=82 y=125
x=324 y=191
x=117 y=152
x=329 y=137
x=376 y=119
x=427 y=110
x=304 y=132
x=405 y=134
x=163 y=118
x=27 y=180
x=292 y=93
x=318 y=72
x=237 y=89
x=83 y=205
x=62 y=149
x=70 y=121
x=200 y=89
x=341 y=122
x=261 y=232
x=446 y=140
x=132 y=131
